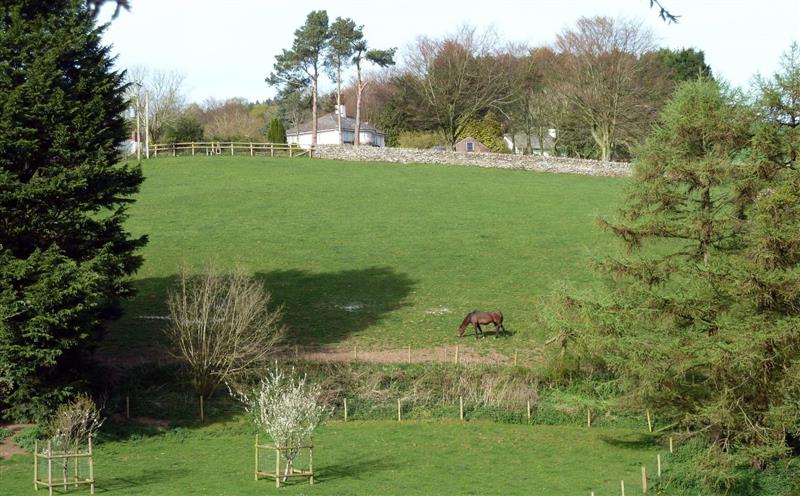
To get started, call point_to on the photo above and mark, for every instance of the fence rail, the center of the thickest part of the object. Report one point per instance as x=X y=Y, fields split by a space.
x=229 y=148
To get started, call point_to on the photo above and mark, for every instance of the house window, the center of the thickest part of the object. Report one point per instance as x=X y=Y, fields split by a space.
x=470 y=146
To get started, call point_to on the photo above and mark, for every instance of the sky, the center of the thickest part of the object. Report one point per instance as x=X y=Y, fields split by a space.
x=226 y=48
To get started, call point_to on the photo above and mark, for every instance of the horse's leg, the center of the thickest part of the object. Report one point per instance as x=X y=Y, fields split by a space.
x=478 y=330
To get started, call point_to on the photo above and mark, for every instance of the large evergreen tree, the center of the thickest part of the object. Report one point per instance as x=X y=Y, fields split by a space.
x=701 y=318
x=64 y=253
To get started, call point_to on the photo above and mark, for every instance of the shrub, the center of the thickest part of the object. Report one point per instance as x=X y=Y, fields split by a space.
x=221 y=327
x=419 y=139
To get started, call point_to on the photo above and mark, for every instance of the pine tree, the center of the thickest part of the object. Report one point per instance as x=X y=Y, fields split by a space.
x=64 y=253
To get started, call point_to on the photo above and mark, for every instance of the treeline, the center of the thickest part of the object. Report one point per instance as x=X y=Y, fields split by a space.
x=594 y=93
x=159 y=103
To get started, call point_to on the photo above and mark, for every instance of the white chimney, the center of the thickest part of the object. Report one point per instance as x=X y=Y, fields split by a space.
x=342 y=111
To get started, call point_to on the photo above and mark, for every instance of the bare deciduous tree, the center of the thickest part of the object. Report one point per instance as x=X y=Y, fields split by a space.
x=607 y=72
x=221 y=326
x=164 y=93
x=231 y=120
x=460 y=77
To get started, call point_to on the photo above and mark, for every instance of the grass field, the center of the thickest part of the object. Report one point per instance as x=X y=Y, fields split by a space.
x=376 y=255
x=377 y=457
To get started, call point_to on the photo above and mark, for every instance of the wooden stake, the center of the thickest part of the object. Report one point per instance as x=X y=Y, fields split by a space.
x=355 y=352
x=461 y=407
x=50 y=468
x=622 y=487
x=127 y=407
x=456 y=360
x=345 y=409
x=409 y=353
x=658 y=463
x=670 y=444
x=311 y=465
x=91 y=467
x=256 y=446
x=35 y=463
x=649 y=421
x=277 y=467
x=588 y=417
x=529 y=410
x=398 y=409
x=202 y=414
x=644 y=479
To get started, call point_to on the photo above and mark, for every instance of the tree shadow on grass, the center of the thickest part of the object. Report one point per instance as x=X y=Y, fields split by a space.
x=146 y=478
x=320 y=308
x=325 y=308
x=636 y=441
x=354 y=468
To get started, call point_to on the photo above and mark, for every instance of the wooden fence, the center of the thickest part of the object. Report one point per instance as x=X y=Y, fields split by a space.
x=229 y=148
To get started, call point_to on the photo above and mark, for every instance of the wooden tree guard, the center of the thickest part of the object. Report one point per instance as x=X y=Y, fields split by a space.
x=66 y=459
x=280 y=473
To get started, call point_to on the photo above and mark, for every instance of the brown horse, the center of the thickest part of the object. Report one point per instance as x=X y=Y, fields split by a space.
x=477 y=318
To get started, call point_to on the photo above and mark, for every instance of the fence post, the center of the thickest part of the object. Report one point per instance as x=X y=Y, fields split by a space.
x=622 y=487
x=271 y=150
x=174 y=149
x=192 y=148
x=461 y=407
x=251 y=148
x=529 y=410
x=588 y=417
x=290 y=151
x=277 y=466
x=345 y=409
x=670 y=444
x=658 y=463
x=231 y=148
x=91 y=466
x=398 y=409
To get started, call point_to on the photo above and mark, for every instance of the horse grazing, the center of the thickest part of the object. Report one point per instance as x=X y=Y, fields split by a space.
x=477 y=318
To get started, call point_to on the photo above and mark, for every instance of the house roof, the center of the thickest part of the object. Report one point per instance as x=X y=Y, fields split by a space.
x=328 y=122
x=521 y=141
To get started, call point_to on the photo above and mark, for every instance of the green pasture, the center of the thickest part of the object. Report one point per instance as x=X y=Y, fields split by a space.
x=375 y=255
x=376 y=457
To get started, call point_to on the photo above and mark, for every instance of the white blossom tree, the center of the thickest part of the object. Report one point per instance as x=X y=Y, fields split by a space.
x=288 y=409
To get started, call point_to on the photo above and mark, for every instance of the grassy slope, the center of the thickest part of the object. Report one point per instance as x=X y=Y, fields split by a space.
x=405 y=243
x=374 y=458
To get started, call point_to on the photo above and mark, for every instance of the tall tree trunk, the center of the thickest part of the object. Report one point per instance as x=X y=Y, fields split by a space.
x=314 y=111
x=339 y=101
x=359 y=89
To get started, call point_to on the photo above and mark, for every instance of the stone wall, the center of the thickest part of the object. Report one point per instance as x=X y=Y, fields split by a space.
x=534 y=163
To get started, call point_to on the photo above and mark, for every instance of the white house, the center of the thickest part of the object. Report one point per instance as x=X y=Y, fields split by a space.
x=328 y=132
x=520 y=143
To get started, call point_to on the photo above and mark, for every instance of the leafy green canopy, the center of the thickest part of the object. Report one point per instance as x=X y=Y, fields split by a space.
x=701 y=318
x=63 y=251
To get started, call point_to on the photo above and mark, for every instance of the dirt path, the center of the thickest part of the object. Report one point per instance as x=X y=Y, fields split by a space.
x=7 y=446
